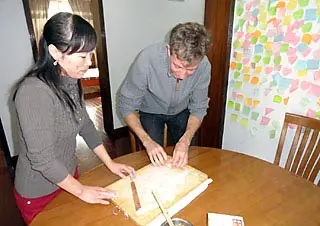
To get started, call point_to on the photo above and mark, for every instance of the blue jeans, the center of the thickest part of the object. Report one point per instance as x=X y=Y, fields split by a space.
x=153 y=124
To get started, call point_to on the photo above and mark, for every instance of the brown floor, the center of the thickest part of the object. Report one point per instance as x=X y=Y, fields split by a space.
x=9 y=214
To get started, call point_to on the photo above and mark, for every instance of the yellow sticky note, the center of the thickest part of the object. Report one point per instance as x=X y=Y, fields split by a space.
x=244 y=122
x=255 y=103
x=292 y=4
x=248 y=101
x=246 y=78
x=258 y=69
x=262 y=16
x=302 y=73
x=307 y=38
x=268 y=46
x=287 y=20
x=234 y=117
x=246 y=69
x=238 y=56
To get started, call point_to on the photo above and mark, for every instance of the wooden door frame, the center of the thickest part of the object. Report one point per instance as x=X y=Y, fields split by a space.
x=104 y=77
x=216 y=13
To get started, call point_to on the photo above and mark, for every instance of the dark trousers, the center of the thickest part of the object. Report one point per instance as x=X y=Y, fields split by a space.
x=153 y=124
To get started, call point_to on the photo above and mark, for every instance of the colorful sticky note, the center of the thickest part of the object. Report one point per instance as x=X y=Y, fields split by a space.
x=302 y=47
x=316 y=75
x=306 y=27
x=303 y=3
x=264 y=121
x=311 y=15
x=258 y=49
x=272 y=134
x=230 y=104
x=258 y=69
x=248 y=101
x=287 y=20
x=246 y=110
x=233 y=65
x=313 y=64
x=239 y=11
x=237 y=107
x=239 y=66
x=263 y=39
x=311 y=113
x=268 y=110
x=234 y=117
x=286 y=100
x=302 y=73
x=301 y=65
x=314 y=90
x=244 y=122
x=257 y=58
x=284 y=47
x=277 y=60
x=266 y=60
x=306 y=38
x=254 y=80
x=277 y=99
x=238 y=56
x=236 y=74
x=255 y=103
x=254 y=115
x=246 y=69
x=298 y=14
x=246 y=77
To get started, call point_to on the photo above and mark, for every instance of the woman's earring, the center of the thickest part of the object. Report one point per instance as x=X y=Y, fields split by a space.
x=55 y=63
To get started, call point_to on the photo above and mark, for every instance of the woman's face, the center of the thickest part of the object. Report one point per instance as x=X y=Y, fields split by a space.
x=75 y=65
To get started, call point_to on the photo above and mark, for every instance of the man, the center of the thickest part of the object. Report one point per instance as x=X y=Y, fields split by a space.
x=168 y=84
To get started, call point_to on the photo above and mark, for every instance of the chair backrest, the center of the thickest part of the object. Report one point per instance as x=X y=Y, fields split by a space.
x=303 y=157
x=136 y=145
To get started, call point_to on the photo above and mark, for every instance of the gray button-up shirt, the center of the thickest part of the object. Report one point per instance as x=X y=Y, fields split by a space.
x=150 y=87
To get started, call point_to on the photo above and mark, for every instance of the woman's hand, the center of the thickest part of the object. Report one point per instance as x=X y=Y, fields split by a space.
x=156 y=153
x=93 y=195
x=121 y=169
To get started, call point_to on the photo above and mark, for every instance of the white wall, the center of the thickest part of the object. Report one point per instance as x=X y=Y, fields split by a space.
x=16 y=57
x=134 y=24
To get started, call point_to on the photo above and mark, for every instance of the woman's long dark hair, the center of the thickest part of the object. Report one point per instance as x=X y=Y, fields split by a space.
x=69 y=33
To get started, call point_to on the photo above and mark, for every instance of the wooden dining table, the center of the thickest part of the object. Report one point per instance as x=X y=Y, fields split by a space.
x=261 y=192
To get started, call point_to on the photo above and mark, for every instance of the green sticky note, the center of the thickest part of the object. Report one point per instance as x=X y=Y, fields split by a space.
x=266 y=59
x=239 y=66
x=298 y=14
x=244 y=122
x=237 y=44
x=230 y=104
x=238 y=85
x=257 y=58
x=284 y=47
x=246 y=110
x=303 y=3
x=277 y=60
x=254 y=40
x=254 y=115
x=306 y=27
x=236 y=74
x=234 y=117
x=241 y=22
x=277 y=99
x=318 y=114
x=237 y=107
x=239 y=11
x=272 y=11
x=263 y=39
x=272 y=134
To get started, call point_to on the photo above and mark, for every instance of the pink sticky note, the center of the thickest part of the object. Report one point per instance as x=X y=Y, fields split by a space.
x=306 y=52
x=276 y=46
x=291 y=51
x=268 y=70
x=239 y=34
x=246 y=44
x=286 y=71
x=292 y=59
x=277 y=67
x=316 y=75
x=314 y=90
x=316 y=54
x=294 y=85
x=291 y=38
x=234 y=95
x=268 y=110
x=311 y=113
x=248 y=6
x=315 y=37
x=245 y=60
x=264 y=121
x=305 y=85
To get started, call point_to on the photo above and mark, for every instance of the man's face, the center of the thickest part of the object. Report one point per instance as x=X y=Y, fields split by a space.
x=182 y=69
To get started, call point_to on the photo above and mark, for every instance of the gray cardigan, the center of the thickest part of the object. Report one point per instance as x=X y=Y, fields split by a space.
x=150 y=87
x=47 y=136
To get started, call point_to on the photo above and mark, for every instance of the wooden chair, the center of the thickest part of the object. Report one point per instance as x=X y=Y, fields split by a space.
x=303 y=157
x=136 y=145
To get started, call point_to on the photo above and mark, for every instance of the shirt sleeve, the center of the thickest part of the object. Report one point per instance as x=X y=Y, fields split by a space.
x=199 y=101
x=89 y=132
x=34 y=105
x=134 y=87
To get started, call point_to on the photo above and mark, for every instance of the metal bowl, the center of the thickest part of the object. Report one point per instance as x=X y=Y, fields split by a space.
x=178 y=222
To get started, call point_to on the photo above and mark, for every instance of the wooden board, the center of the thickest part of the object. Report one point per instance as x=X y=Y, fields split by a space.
x=175 y=187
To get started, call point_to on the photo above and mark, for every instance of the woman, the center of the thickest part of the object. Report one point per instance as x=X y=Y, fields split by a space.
x=51 y=113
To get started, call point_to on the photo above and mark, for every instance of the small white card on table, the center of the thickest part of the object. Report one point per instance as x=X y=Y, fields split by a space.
x=215 y=219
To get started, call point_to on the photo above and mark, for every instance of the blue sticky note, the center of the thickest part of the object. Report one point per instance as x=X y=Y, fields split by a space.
x=258 y=49
x=276 y=78
x=302 y=47
x=284 y=83
x=255 y=12
x=310 y=15
x=278 y=38
x=313 y=64
x=301 y=65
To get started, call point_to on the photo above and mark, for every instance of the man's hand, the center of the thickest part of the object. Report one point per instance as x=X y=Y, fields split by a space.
x=156 y=153
x=180 y=153
x=121 y=169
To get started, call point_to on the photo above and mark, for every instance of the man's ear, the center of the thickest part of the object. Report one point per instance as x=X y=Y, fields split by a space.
x=54 y=52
